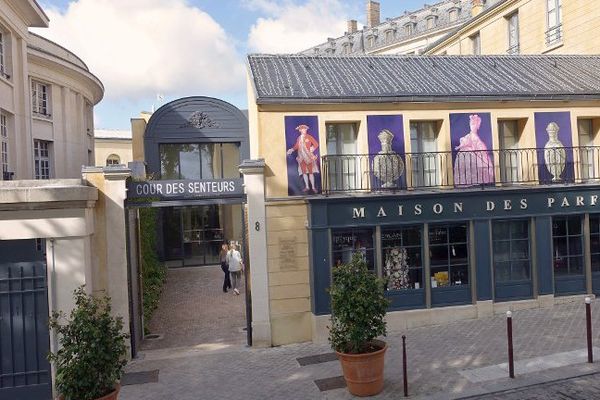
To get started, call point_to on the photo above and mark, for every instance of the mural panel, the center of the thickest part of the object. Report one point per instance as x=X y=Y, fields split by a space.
x=554 y=143
x=472 y=158
x=303 y=155
x=387 y=153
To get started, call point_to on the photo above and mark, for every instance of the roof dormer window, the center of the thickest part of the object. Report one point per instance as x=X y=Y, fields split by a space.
x=453 y=14
x=431 y=22
x=389 y=35
x=409 y=28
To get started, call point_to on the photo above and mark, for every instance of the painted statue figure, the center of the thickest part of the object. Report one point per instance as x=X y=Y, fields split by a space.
x=473 y=165
x=555 y=154
x=308 y=165
x=387 y=164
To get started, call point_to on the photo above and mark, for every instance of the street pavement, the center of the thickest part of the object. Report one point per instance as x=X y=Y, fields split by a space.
x=451 y=361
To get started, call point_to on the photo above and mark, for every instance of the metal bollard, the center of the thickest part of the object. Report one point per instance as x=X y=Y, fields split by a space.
x=588 y=323
x=404 y=372
x=511 y=361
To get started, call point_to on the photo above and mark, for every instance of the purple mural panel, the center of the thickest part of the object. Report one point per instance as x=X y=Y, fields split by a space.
x=303 y=155
x=386 y=151
x=554 y=143
x=472 y=158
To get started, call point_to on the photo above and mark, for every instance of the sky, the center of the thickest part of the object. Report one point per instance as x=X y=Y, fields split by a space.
x=175 y=48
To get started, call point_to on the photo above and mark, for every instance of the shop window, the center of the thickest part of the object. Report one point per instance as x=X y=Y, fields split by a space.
x=113 y=159
x=586 y=149
x=513 y=33
x=476 y=44
x=402 y=258
x=42 y=159
x=567 y=250
x=448 y=255
x=509 y=151
x=511 y=250
x=199 y=160
x=40 y=98
x=344 y=168
x=346 y=242
x=424 y=159
x=595 y=241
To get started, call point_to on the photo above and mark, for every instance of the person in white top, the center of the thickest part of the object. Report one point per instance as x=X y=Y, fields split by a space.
x=234 y=260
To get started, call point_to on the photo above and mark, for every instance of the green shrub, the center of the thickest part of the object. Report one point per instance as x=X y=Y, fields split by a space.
x=92 y=348
x=358 y=307
x=153 y=272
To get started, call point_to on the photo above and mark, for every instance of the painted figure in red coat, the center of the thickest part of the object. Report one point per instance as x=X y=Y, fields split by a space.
x=308 y=165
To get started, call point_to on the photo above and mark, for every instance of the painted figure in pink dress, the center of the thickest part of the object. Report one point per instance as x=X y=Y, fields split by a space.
x=308 y=165
x=473 y=165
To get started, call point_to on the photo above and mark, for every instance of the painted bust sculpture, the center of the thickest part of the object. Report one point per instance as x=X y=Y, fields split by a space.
x=473 y=165
x=388 y=166
x=555 y=154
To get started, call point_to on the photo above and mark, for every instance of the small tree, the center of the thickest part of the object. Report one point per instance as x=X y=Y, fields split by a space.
x=92 y=349
x=358 y=307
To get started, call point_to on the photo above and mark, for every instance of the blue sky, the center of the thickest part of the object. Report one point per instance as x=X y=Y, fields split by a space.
x=189 y=47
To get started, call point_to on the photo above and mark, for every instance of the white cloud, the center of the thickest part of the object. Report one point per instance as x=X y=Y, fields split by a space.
x=290 y=27
x=142 y=47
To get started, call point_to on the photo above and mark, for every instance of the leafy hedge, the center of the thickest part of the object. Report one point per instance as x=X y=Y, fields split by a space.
x=153 y=272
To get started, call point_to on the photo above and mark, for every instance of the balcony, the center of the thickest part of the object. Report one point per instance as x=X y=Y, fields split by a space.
x=554 y=35
x=372 y=173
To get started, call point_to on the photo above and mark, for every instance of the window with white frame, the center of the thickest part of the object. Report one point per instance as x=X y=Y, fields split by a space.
x=389 y=35
x=409 y=28
x=42 y=159
x=4 y=143
x=476 y=43
x=2 y=54
x=513 y=33
x=586 y=148
x=553 y=22
x=40 y=98
x=509 y=151
x=453 y=15
x=431 y=22
x=113 y=159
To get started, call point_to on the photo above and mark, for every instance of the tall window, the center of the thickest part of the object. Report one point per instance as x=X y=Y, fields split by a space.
x=40 y=98
x=509 y=151
x=347 y=242
x=511 y=250
x=343 y=173
x=409 y=28
x=2 y=54
x=41 y=157
x=453 y=15
x=424 y=160
x=389 y=35
x=431 y=22
x=513 y=33
x=199 y=160
x=567 y=238
x=476 y=43
x=586 y=149
x=113 y=159
x=4 y=143
x=402 y=258
x=554 y=22
x=595 y=241
x=449 y=255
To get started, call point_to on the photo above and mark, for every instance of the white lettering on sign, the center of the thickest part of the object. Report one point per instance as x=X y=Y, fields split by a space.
x=579 y=201
x=565 y=203
x=551 y=202
x=381 y=213
x=458 y=207
x=507 y=205
x=400 y=210
x=185 y=189
x=523 y=204
x=490 y=205
x=418 y=209
x=358 y=213
x=438 y=208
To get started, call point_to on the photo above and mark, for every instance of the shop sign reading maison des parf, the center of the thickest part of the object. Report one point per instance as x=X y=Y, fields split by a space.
x=470 y=205
x=184 y=189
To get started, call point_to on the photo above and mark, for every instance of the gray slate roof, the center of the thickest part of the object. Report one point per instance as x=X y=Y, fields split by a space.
x=297 y=79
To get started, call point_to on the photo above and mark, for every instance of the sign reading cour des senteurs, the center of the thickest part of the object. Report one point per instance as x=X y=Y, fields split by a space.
x=455 y=206
x=162 y=190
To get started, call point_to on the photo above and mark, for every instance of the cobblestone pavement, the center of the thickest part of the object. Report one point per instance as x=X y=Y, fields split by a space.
x=193 y=310
x=435 y=356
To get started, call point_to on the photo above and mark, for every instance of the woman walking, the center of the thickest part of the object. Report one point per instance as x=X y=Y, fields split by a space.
x=234 y=260
x=225 y=267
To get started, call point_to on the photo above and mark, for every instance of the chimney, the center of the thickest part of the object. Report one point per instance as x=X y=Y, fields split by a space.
x=476 y=7
x=352 y=26
x=373 y=14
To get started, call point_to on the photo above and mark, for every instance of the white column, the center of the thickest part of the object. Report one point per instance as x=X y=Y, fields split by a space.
x=254 y=185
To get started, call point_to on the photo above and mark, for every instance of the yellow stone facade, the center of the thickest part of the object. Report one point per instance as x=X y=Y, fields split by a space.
x=580 y=22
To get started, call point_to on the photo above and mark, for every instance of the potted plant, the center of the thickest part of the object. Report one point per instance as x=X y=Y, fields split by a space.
x=358 y=307
x=92 y=349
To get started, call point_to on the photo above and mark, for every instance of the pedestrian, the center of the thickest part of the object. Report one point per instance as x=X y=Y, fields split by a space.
x=225 y=267
x=234 y=260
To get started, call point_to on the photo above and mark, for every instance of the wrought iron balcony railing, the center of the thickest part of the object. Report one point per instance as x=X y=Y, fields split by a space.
x=394 y=172
x=554 y=35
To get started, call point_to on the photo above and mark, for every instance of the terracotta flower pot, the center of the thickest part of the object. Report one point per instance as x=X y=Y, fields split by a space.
x=111 y=396
x=364 y=372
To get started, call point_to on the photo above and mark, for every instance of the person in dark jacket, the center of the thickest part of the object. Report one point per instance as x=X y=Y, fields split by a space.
x=225 y=267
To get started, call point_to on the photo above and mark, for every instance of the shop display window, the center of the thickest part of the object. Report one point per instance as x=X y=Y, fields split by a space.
x=511 y=250
x=595 y=241
x=402 y=258
x=347 y=242
x=567 y=250
x=449 y=255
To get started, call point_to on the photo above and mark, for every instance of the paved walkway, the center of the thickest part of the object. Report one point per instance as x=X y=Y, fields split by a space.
x=438 y=357
x=193 y=310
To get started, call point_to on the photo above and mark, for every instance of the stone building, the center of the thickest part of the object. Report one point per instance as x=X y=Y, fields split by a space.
x=469 y=182
x=112 y=147
x=409 y=33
